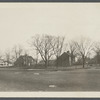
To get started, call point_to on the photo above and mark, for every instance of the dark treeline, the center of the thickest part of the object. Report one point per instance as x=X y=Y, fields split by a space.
x=48 y=47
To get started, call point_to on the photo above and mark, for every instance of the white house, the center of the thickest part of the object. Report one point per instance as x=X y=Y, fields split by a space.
x=4 y=63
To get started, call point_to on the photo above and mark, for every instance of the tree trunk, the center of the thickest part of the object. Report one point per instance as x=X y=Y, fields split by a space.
x=46 y=64
x=83 y=58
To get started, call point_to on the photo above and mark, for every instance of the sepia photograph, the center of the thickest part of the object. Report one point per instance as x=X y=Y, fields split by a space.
x=49 y=47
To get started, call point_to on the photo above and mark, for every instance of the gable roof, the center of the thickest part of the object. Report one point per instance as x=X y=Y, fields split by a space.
x=65 y=54
x=26 y=56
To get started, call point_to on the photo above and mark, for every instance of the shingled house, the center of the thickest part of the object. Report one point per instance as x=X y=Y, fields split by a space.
x=65 y=59
x=25 y=60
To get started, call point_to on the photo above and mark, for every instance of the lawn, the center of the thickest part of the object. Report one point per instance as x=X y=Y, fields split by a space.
x=50 y=80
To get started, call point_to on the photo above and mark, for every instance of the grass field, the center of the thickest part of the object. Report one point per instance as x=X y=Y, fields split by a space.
x=50 y=80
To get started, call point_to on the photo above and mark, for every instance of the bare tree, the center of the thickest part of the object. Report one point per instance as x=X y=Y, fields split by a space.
x=72 y=49
x=34 y=43
x=96 y=50
x=37 y=55
x=1 y=56
x=42 y=45
x=83 y=47
x=57 y=46
x=8 y=57
x=17 y=51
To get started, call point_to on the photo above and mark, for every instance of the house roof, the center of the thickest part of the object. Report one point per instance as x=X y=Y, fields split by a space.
x=66 y=54
x=26 y=56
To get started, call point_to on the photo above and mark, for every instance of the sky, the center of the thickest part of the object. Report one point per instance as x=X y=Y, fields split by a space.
x=20 y=21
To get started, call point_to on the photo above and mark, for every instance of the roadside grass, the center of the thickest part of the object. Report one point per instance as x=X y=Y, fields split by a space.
x=62 y=79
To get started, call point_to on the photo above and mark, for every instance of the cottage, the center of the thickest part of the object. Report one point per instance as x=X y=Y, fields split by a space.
x=25 y=60
x=65 y=59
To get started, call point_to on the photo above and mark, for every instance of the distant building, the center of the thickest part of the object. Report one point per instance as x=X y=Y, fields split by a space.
x=95 y=59
x=25 y=60
x=65 y=59
x=4 y=63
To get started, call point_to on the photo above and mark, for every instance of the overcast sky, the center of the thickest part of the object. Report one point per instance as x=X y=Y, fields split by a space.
x=20 y=21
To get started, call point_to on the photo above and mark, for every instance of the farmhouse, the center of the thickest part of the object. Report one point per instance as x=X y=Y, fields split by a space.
x=25 y=60
x=65 y=59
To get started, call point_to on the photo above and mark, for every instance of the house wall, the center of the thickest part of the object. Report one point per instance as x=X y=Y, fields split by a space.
x=64 y=60
x=24 y=61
